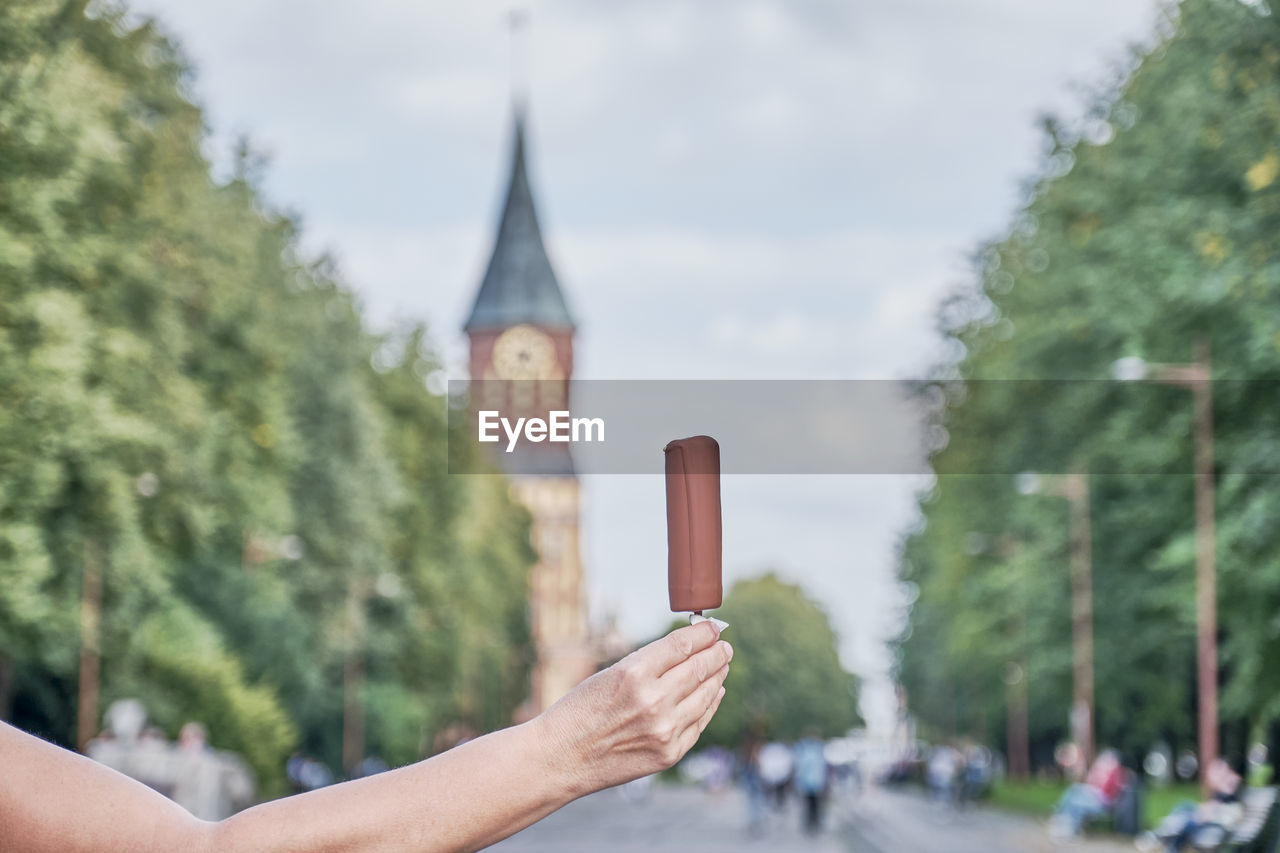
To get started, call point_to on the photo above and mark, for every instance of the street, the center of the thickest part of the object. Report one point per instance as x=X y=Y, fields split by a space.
x=669 y=818
x=677 y=818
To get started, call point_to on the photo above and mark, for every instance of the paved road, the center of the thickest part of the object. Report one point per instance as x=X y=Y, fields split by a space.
x=886 y=821
x=683 y=819
x=670 y=819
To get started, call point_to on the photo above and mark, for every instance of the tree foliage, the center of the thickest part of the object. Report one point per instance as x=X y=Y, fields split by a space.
x=1151 y=226
x=786 y=677
x=189 y=400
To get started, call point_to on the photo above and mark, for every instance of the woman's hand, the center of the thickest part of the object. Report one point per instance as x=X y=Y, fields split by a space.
x=642 y=714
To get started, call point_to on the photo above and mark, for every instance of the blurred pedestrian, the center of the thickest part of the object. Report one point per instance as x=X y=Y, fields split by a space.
x=293 y=771
x=752 y=783
x=130 y=746
x=943 y=772
x=154 y=762
x=106 y=749
x=775 y=771
x=719 y=768
x=853 y=777
x=811 y=780
x=197 y=784
x=976 y=777
x=306 y=773
x=371 y=766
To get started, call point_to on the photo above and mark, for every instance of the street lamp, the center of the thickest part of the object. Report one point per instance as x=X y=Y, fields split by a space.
x=1198 y=377
x=1075 y=488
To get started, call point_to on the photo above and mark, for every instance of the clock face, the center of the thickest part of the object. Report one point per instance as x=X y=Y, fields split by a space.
x=523 y=352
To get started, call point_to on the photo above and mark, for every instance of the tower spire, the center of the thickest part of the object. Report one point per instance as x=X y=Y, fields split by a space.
x=519 y=284
x=518 y=23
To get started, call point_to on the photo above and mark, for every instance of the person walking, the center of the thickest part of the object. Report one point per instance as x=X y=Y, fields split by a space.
x=776 y=765
x=752 y=784
x=206 y=782
x=943 y=769
x=811 y=780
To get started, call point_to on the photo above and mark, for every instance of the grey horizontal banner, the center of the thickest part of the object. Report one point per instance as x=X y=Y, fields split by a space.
x=550 y=427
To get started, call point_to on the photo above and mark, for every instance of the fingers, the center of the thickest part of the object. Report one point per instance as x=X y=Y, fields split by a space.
x=690 y=735
x=694 y=706
x=710 y=712
x=685 y=678
x=675 y=648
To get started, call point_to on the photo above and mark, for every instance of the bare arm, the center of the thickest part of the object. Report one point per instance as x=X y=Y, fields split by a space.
x=635 y=718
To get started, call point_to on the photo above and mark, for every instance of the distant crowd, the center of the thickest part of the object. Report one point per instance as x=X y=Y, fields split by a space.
x=773 y=773
x=208 y=783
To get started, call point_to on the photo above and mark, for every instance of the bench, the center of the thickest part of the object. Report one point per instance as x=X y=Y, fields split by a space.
x=1255 y=832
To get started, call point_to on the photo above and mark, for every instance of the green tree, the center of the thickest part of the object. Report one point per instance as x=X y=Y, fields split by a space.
x=194 y=407
x=1150 y=227
x=786 y=677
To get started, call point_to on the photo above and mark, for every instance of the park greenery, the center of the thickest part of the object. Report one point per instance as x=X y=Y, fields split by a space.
x=1152 y=225
x=787 y=679
x=192 y=409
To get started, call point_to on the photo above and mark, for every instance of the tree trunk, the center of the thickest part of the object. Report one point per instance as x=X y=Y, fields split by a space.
x=7 y=668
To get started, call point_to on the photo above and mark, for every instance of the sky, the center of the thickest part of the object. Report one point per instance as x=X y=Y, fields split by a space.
x=807 y=178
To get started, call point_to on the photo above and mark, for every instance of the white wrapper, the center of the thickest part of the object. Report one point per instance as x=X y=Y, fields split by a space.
x=695 y=618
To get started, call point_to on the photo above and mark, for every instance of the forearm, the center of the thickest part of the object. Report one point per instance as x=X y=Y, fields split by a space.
x=637 y=717
x=464 y=799
x=56 y=801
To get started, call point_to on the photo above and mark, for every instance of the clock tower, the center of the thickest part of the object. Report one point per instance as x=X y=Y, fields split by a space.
x=521 y=336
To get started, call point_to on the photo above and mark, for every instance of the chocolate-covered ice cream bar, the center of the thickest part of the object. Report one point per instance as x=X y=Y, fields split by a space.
x=693 y=523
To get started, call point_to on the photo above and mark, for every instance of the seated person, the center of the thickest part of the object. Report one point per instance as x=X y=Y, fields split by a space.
x=1223 y=809
x=1091 y=798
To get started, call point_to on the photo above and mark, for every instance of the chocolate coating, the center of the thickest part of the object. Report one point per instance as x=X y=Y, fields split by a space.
x=693 y=523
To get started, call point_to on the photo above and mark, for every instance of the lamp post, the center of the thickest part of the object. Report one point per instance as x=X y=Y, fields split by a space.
x=1075 y=488
x=1198 y=378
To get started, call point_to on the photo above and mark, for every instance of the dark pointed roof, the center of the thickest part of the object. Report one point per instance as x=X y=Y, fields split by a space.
x=519 y=285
